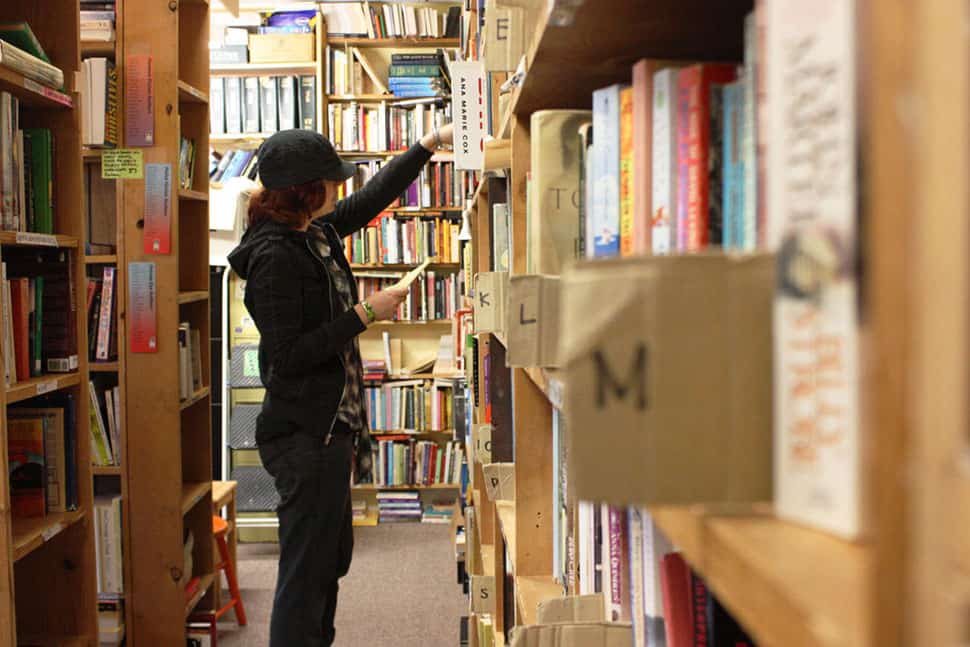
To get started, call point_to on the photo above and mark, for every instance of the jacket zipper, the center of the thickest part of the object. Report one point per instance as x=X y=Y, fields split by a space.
x=326 y=441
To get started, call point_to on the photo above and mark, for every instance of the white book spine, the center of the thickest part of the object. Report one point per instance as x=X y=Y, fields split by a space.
x=664 y=170
x=813 y=206
x=104 y=319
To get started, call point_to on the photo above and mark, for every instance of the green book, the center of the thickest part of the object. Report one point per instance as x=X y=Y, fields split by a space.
x=21 y=36
x=42 y=176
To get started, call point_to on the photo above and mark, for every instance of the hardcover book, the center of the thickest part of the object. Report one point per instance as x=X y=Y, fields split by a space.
x=25 y=456
x=250 y=113
x=603 y=225
x=664 y=165
x=268 y=116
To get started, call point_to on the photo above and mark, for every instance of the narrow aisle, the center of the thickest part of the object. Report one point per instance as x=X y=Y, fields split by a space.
x=401 y=590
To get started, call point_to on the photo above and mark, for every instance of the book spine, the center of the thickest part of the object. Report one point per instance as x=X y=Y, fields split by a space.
x=696 y=216
x=414 y=70
x=104 y=320
x=251 y=104
x=635 y=560
x=619 y=590
x=748 y=238
x=286 y=93
x=699 y=599
x=268 y=117
x=683 y=156
x=308 y=102
x=664 y=162
x=233 y=105
x=728 y=167
x=643 y=145
x=217 y=105
x=714 y=164
x=605 y=217
x=627 y=231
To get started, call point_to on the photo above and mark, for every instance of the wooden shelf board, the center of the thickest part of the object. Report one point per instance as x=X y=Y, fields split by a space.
x=549 y=382
x=222 y=492
x=97 y=48
x=103 y=367
x=364 y=98
x=567 y=62
x=426 y=432
x=191 y=296
x=433 y=322
x=378 y=488
x=101 y=259
x=189 y=194
x=420 y=376
x=31 y=93
x=27 y=239
x=40 y=385
x=395 y=42
x=370 y=153
x=506 y=516
x=196 y=397
x=60 y=640
x=786 y=584
x=91 y=154
x=238 y=137
x=190 y=94
x=261 y=68
x=205 y=583
x=192 y=493
x=412 y=211
x=530 y=591
x=29 y=534
x=404 y=267
x=106 y=470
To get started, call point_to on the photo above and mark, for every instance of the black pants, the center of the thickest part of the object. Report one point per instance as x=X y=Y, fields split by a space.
x=316 y=531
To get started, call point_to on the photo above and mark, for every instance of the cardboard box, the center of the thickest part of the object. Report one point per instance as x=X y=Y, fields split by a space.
x=491 y=290
x=500 y=481
x=572 y=608
x=228 y=55
x=482 y=438
x=599 y=634
x=281 y=48
x=532 y=320
x=482 y=594
x=668 y=362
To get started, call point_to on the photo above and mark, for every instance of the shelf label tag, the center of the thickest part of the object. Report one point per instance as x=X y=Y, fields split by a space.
x=50 y=93
x=31 y=238
x=139 y=101
x=158 y=209
x=469 y=107
x=122 y=164
x=51 y=532
x=46 y=387
x=143 y=320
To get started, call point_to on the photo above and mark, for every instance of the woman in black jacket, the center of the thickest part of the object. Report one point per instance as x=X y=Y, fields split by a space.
x=303 y=297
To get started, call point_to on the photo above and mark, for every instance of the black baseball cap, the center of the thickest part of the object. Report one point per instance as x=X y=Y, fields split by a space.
x=292 y=157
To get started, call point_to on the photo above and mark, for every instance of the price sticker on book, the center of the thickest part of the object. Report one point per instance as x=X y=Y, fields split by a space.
x=122 y=164
x=31 y=238
x=46 y=387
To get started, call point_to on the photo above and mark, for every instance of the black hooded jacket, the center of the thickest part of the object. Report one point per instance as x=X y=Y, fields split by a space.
x=291 y=297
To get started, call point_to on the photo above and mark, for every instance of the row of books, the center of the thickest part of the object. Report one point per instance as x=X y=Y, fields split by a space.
x=108 y=543
x=387 y=20
x=398 y=507
x=42 y=457
x=98 y=22
x=105 y=422
x=111 y=620
x=102 y=313
x=187 y=155
x=264 y=104
x=438 y=186
x=402 y=461
x=26 y=172
x=383 y=127
x=390 y=239
x=235 y=162
x=411 y=405
x=99 y=103
x=430 y=298
x=38 y=314
x=21 y=52
x=190 y=361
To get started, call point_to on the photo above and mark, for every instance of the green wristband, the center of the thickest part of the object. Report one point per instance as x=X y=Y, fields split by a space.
x=371 y=315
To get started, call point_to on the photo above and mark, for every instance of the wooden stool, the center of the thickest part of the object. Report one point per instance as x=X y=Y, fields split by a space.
x=224 y=496
x=219 y=530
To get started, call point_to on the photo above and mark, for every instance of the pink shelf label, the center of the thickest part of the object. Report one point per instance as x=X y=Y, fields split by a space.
x=142 y=318
x=139 y=101
x=158 y=209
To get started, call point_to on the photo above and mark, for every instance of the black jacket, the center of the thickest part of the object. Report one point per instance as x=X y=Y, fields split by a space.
x=291 y=297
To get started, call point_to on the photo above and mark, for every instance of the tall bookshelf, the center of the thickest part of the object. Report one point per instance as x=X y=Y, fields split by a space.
x=168 y=472
x=47 y=589
x=906 y=582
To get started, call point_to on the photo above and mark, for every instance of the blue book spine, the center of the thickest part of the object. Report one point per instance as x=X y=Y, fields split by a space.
x=729 y=161
x=414 y=92
x=740 y=235
x=413 y=81
x=606 y=172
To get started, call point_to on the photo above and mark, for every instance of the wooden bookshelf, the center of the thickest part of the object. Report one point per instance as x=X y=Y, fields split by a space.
x=261 y=69
x=47 y=577
x=395 y=42
x=169 y=466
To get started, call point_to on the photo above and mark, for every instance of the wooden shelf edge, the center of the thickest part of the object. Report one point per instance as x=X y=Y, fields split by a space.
x=106 y=470
x=32 y=93
x=35 y=386
x=103 y=367
x=192 y=493
x=189 y=194
x=101 y=259
x=506 y=515
x=394 y=42
x=245 y=68
x=369 y=487
x=29 y=534
x=191 y=296
x=30 y=239
x=532 y=590
x=190 y=94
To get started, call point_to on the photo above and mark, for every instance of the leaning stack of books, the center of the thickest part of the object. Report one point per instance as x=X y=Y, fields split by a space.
x=398 y=507
x=97 y=21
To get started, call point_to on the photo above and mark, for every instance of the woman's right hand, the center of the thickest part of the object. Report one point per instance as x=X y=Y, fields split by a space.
x=385 y=302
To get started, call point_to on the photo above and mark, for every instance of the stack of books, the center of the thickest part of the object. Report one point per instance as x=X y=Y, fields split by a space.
x=236 y=162
x=21 y=52
x=105 y=421
x=97 y=21
x=437 y=513
x=375 y=370
x=359 y=509
x=398 y=507
x=190 y=361
x=417 y=75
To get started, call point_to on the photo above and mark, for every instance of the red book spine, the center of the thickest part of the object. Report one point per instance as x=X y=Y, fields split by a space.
x=20 y=304
x=675 y=587
x=694 y=85
x=619 y=572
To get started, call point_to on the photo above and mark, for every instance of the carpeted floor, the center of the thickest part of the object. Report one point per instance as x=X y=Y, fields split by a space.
x=401 y=590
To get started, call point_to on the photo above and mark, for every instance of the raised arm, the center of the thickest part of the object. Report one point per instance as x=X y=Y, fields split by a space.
x=358 y=209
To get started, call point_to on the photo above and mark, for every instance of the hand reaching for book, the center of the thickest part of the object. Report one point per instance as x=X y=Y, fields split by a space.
x=443 y=136
x=383 y=303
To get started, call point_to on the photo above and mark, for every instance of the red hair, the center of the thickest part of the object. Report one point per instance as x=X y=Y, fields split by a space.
x=290 y=206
